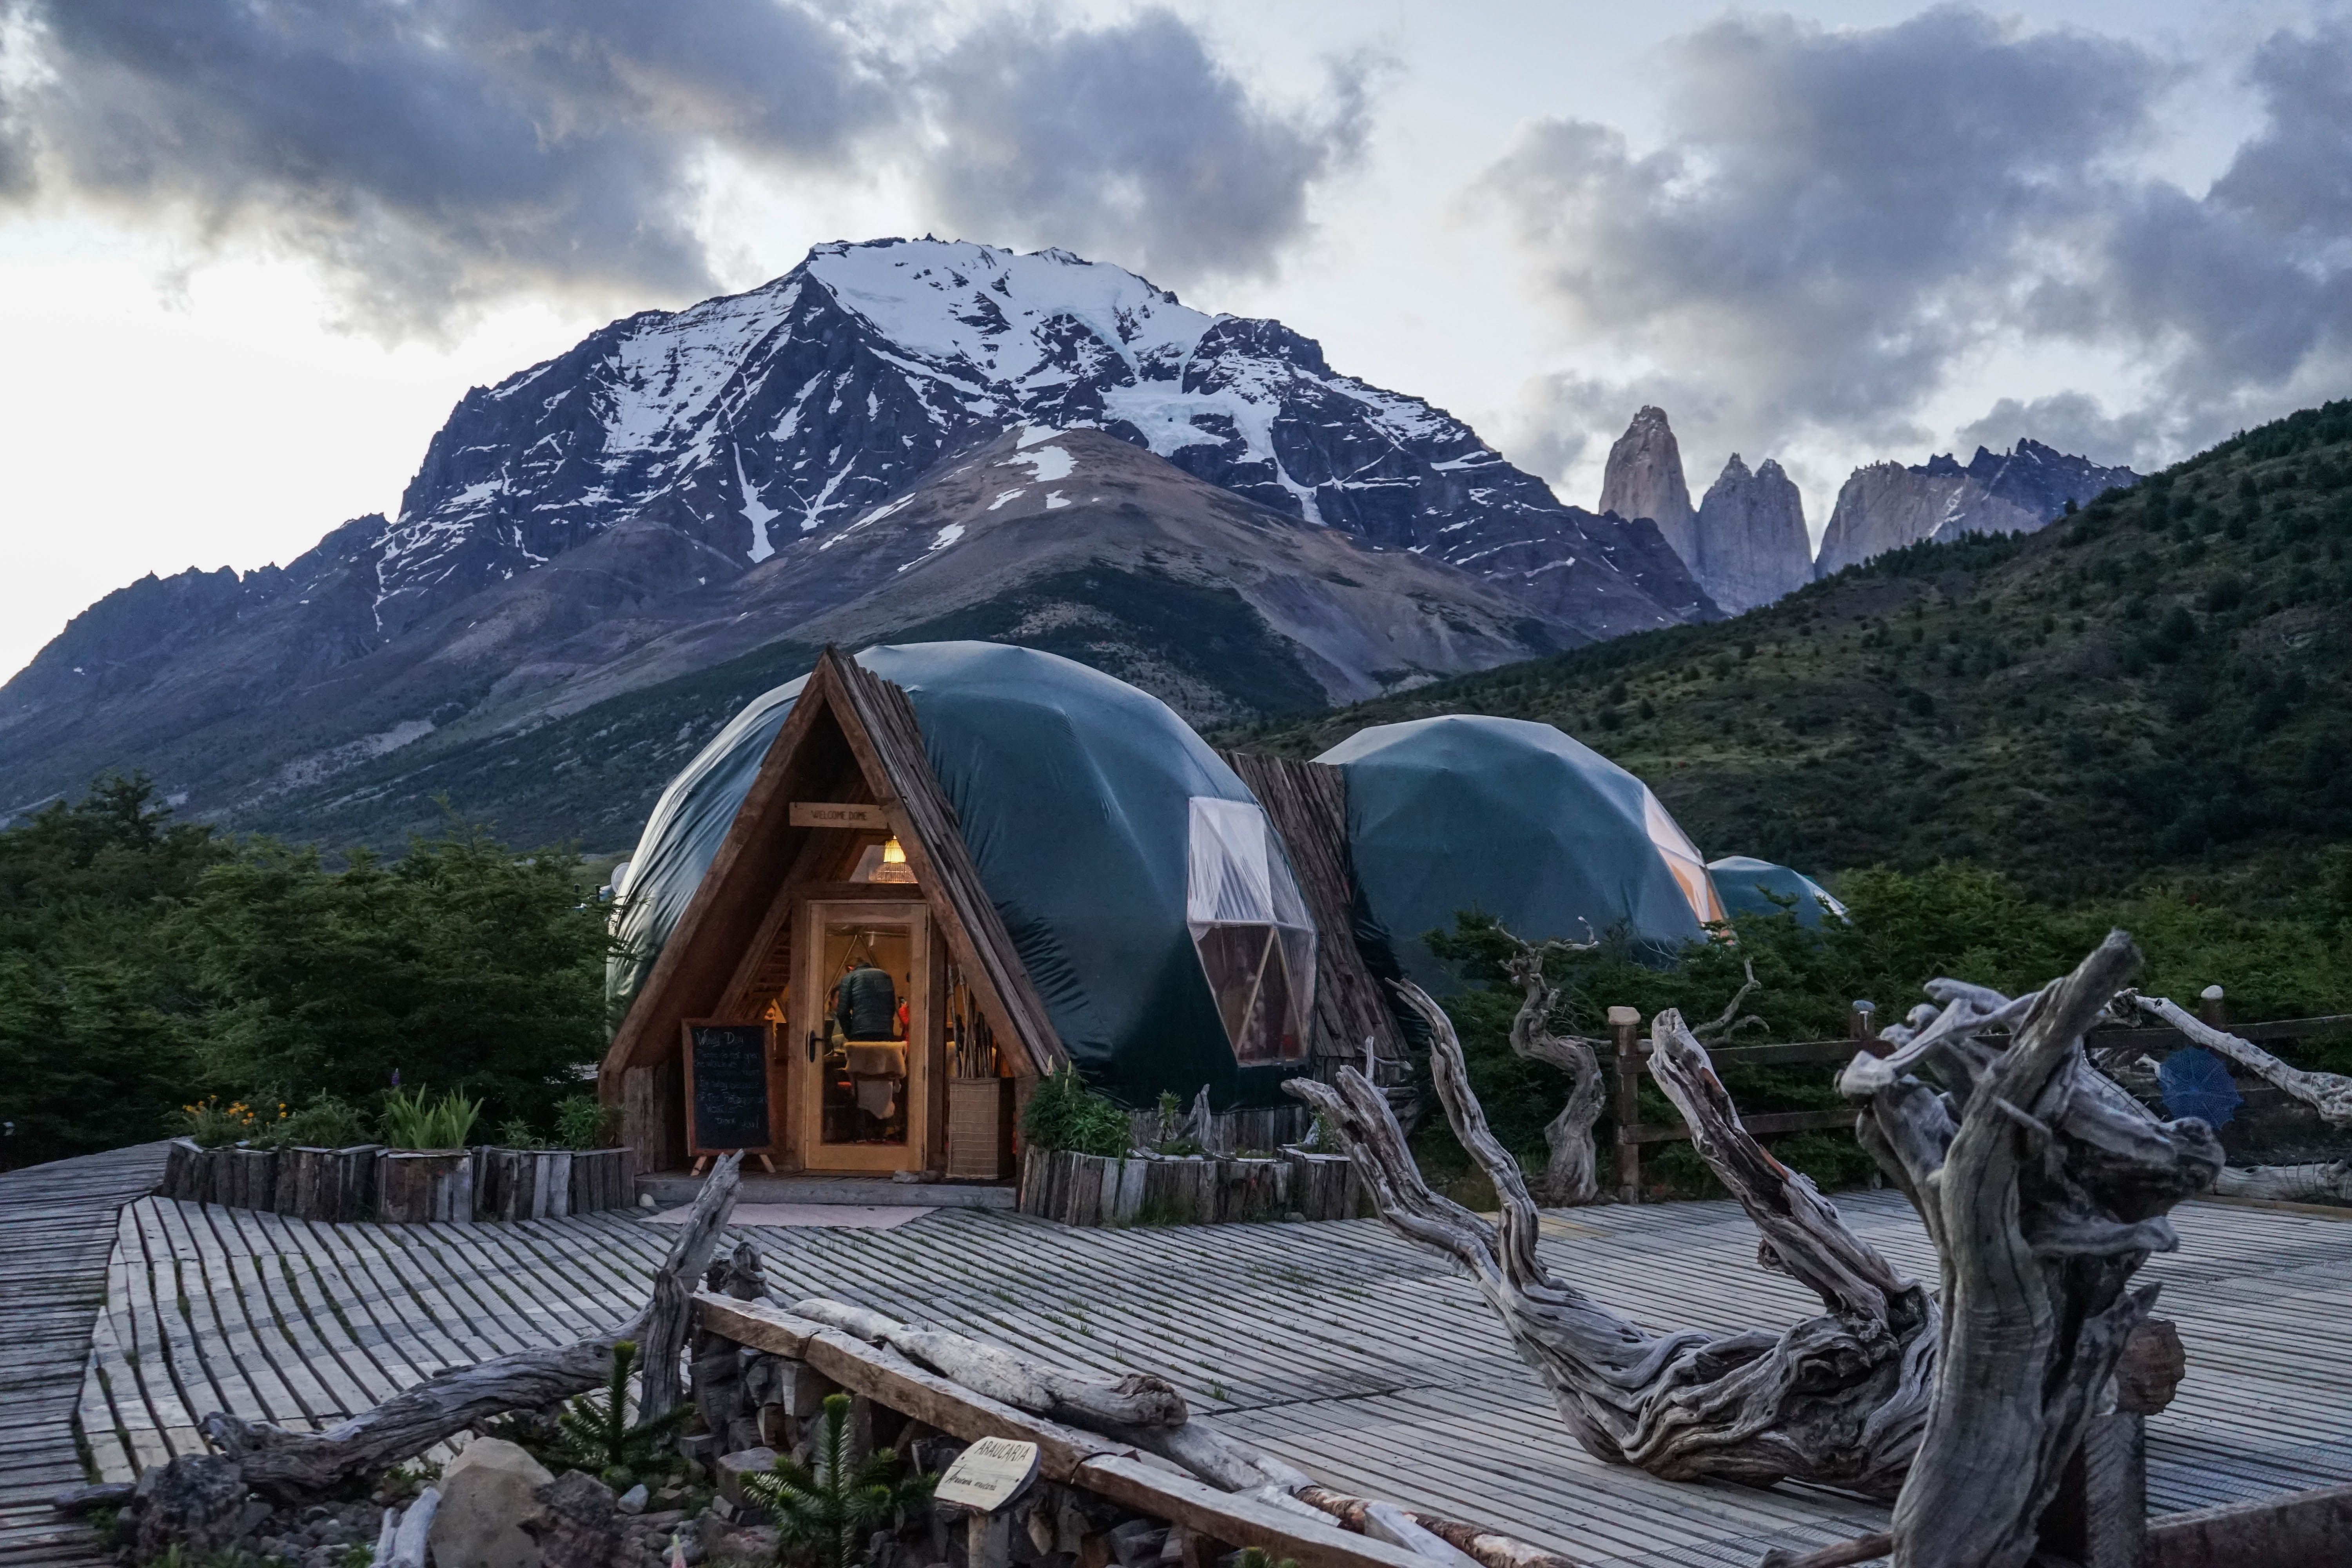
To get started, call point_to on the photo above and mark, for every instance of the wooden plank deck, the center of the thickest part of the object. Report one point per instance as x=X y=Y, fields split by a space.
x=1358 y=1356
x=56 y=1230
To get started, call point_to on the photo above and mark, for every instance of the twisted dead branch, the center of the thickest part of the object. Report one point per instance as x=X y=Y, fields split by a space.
x=1572 y=1168
x=284 y=1464
x=2328 y=1093
x=2044 y=1187
x=1837 y=1399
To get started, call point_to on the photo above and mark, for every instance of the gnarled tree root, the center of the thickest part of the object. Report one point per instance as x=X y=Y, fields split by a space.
x=2044 y=1187
x=1837 y=1399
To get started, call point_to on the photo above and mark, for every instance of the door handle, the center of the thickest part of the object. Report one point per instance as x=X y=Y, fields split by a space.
x=812 y=1044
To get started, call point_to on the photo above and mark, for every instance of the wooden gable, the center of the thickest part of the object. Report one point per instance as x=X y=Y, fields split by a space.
x=851 y=736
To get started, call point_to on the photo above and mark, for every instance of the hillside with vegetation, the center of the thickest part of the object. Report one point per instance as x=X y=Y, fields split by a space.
x=2151 y=691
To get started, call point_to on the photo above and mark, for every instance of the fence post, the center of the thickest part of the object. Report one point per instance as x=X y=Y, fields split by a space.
x=2212 y=1007
x=1625 y=1028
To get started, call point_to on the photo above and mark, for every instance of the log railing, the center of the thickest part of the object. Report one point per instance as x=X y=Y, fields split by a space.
x=1630 y=1062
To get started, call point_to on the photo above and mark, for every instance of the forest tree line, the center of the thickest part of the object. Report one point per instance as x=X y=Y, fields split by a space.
x=147 y=965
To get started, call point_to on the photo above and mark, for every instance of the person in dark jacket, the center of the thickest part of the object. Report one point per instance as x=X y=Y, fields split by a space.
x=866 y=1004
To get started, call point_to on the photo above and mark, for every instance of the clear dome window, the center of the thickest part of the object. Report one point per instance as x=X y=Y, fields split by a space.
x=1251 y=927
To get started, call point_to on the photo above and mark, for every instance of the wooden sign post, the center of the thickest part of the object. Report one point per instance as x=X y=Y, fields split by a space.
x=729 y=1080
x=988 y=1475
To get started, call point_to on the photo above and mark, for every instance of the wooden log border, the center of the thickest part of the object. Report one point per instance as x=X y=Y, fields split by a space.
x=343 y=1185
x=1065 y=1454
x=1094 y=1190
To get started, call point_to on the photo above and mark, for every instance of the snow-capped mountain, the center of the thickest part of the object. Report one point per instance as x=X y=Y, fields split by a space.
x=666 y=497
x=798 y=407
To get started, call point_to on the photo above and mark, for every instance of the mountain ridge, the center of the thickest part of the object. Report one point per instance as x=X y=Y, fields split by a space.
x=2158 y=689
x=581 y=506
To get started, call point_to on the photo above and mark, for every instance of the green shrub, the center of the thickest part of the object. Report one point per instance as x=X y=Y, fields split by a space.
x=327 y=1122
x=1066 y=1114
x=517 y=1133
x=582 y=1122
x=411 y=1121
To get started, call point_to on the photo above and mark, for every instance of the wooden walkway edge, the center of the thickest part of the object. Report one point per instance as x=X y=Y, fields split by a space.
x=56 y=1234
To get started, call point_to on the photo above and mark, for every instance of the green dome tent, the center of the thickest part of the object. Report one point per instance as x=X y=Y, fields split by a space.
x=1517 y=820
x=1748 y=886
x=1128 y=864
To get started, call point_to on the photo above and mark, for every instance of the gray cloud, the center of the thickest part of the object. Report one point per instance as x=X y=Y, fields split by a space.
x=1133 y=139
x=1836 y=220
x=435 y=152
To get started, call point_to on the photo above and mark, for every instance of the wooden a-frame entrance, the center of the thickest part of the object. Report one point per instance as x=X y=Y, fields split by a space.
x=757 y=947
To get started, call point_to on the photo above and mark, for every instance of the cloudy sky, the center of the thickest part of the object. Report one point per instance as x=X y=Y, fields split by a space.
x=251 y=251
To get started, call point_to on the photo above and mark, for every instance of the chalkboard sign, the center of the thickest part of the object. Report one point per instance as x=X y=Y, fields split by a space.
x=726 y=1087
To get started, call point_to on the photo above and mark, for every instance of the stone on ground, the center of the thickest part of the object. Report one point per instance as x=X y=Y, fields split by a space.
x=485 y=1496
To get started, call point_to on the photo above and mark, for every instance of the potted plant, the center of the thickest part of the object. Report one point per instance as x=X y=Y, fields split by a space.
x=426 y=1171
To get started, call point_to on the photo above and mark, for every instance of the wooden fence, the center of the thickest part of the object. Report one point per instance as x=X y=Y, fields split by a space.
x=1631 y=1061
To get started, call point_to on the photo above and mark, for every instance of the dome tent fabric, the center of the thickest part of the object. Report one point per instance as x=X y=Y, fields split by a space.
x=1748 y=886
x=1518 y=821
x=1075 y=795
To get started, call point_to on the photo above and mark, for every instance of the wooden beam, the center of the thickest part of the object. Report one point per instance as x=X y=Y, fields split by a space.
x=689 y=974
x=880 y=1373
x=1235 y=1519
x=1065 y=1454
x=879 y=723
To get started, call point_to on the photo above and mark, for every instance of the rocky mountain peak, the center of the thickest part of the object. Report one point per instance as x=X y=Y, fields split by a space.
x=1886 y=506
x=1749 y=536
x=1644 y=478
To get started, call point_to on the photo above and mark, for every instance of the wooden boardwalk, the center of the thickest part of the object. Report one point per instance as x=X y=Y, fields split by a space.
x=56 y=1229
x=1356 y=1355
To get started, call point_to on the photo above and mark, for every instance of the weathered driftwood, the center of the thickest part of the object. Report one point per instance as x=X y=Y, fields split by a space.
x=1837 y=1399
x=1073 y=1448
x=1238 y=1467
x=280 y=1463
x=2328 y=1183
x=2044 y=1187
x=661 y=1348
x=1572 y=1166
x=1138 y=1400
x=410 y=1537
x=2328 y=1093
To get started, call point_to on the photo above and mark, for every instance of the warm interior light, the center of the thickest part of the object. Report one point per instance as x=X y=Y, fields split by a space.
x=892 y=855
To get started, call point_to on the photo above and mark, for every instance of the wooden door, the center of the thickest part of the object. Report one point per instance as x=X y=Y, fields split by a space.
x=863 y=1103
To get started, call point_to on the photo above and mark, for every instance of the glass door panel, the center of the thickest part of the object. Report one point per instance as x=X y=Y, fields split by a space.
x=863 y=1065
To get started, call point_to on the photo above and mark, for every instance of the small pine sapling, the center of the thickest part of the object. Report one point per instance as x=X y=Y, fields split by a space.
x=594 y=1432
x=826 y=1514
